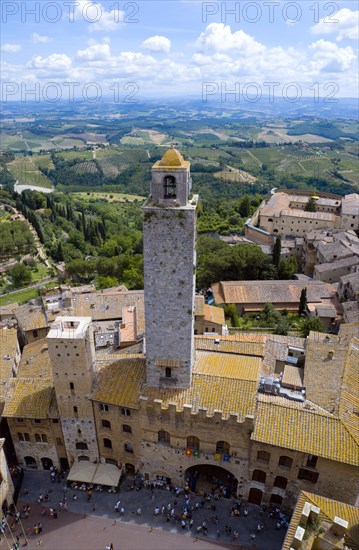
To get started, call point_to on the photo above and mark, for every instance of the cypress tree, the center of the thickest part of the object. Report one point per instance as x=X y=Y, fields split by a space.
x=277 y=250
x=303 y=301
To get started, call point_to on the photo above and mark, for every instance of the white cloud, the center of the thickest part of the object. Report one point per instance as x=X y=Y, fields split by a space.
x=40 y=38
x=220 y=55
x=10 y=48
x=219 y=37
x=329 y=57
x=53 y=62
x=345 y=23
x=95 y=52
x=157 y=44
x=95 y=14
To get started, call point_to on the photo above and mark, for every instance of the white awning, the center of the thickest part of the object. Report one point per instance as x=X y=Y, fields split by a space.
x=82 y=471
x=99 y=474
x=107 y=474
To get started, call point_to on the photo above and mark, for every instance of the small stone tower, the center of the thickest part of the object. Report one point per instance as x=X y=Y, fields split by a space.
x=169 y=228
x=72 y=354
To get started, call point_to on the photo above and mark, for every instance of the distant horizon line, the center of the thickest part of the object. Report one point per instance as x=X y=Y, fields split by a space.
x=269 y=99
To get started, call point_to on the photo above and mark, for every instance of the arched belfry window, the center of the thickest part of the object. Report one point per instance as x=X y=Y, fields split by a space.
x=170 y=187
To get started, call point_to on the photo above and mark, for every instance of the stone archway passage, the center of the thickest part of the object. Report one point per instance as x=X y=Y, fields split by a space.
x=208 y=478
x=64 y=464
x=255 y=496
x=30 y=462
x=276 y=499
x=46 y=463
x=130 y=469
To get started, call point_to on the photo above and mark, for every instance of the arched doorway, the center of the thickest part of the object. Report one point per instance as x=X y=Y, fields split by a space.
x=30 y=463
x=276 y=499
x=255 y=496
x=46 y=463
x=130 y=469
x=64 y=464
x=206 y=477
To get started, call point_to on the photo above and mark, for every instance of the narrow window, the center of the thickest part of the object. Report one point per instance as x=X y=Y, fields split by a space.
x=106 y=424
x=164 y=437
x=170 y=187
x=312 y=461
x=259 y=475
x=263 y=456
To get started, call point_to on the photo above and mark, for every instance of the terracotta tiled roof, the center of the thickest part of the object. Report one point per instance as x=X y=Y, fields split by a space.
x=212 y=393
x=9 y=356
x=220 y=382
x=214 y=314
x=349 y=330
x=349 y=395
x=244 y=344
x=120 y=383
x=31 y=317
x=285 y=425
x=292 y=376
x=331 y=266
x=31 y=394
x=236 y=367
x=325 y=360
x=350 y=204
x=29 y=398
x=35 y=361
x=245 y=292
x=276 y=349
x=328 y=510
x=108 y=306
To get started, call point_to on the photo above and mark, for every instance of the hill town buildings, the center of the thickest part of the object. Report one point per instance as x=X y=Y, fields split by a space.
x=270 y=415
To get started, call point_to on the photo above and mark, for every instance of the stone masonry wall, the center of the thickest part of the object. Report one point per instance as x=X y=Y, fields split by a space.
x=169 y=267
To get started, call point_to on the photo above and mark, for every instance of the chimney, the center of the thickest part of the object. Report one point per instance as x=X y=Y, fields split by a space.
x=339 y=527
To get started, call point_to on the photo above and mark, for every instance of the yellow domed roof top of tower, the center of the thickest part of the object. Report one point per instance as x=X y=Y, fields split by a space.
x=171 y=160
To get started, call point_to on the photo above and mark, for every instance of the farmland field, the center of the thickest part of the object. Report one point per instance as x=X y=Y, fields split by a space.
x=109 y=197
x=71 y=155
x=235 y=175
x=87 y=167
x=24 y=170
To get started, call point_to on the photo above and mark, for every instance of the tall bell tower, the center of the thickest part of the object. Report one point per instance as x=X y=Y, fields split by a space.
x=169 y=227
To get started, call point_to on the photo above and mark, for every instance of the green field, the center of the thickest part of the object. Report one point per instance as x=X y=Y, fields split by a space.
x=23 y=296
x=132 y=140
x=39 y=272
x=43 y=161
x=71 y=155
x=67 y=143
x=24 y=170
x=109 y=197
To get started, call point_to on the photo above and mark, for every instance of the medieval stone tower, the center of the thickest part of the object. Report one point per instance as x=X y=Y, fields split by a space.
x=169 y=228
x=72 y=354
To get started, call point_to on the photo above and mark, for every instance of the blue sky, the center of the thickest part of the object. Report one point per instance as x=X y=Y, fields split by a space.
x=178 y=48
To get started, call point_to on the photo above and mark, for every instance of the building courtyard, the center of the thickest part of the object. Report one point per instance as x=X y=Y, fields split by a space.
x=93 y=524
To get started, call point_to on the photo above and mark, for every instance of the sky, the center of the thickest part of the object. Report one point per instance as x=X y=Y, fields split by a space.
x=133 y=50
